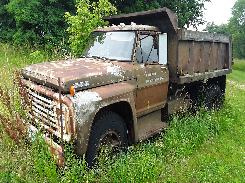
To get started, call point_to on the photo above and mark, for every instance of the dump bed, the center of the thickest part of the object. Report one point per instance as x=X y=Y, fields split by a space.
x=196 y=55
x=192 y=55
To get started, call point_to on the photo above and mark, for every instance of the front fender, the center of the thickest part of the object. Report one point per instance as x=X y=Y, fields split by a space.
x=88 y=103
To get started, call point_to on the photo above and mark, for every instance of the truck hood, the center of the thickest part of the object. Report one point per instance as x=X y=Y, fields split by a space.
x=83 y=73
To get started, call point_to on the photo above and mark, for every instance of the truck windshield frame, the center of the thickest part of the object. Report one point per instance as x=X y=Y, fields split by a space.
x=113 y=45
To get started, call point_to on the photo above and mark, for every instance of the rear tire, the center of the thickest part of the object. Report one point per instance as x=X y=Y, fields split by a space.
x=109 y=129
x=214 y=97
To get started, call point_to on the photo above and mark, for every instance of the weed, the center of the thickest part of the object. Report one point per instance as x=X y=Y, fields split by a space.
x=11 y=120
x=44 y=165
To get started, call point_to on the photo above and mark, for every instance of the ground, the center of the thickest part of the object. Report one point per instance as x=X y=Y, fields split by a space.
x=205 y=147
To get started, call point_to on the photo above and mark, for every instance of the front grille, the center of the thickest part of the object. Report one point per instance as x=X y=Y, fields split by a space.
x=43 y=109
x=44 y=114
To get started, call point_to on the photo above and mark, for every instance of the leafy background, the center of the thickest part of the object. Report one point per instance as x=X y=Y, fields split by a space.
x=63 y=26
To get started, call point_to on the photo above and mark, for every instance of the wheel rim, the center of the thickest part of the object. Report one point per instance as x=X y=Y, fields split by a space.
x=109 y=141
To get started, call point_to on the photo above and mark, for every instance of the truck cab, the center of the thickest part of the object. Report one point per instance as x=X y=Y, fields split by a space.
x=141 y=48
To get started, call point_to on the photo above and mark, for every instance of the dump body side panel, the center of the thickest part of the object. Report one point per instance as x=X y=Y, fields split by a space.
x=199 y=54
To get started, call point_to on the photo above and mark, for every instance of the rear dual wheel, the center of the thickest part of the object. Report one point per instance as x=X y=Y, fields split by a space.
x=214 y=97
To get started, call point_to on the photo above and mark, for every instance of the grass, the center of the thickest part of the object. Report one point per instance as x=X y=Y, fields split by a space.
x=206 y=147
x=238 y=71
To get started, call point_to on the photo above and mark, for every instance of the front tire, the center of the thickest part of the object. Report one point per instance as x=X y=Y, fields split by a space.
x=109 y=129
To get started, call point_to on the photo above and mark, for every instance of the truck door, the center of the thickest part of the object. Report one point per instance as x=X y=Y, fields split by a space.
x=152 y=74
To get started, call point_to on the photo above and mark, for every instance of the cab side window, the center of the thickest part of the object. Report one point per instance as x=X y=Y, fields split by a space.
x=148 y=52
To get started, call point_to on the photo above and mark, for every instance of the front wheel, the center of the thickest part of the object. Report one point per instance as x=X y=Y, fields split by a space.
x=109 y=130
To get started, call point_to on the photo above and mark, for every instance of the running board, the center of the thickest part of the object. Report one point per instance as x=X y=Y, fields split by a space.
x=150 y=125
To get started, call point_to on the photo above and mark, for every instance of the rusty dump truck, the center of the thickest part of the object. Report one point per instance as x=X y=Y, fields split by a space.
x=134 y=74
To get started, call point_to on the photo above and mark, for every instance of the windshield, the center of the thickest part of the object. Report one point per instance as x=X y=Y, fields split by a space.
x=112 y=45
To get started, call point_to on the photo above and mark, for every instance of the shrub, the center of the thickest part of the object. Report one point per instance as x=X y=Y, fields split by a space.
x=40 y=23
x=88 y=17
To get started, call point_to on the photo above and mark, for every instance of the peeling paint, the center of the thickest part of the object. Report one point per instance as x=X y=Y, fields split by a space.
x=104 y=82
x=85 y=105
x=94 y=74
x=85 y=98
x=84 y=73
x=115 y=70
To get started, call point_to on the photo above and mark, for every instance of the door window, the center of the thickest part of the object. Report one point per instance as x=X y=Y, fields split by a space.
x=148 y=50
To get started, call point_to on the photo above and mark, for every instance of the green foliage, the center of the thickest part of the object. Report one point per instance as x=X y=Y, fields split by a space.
x=220 y=29
x=190 y=12
x=235 y=27
x=76 y=170
x=7 y=23
x=238 y=70
x=239 y=65
x=40 y=22
x=44 y=165
x=27 y=163
x=88 y=17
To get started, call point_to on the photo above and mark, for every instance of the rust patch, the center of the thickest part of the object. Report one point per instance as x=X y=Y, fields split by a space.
x=56 y=151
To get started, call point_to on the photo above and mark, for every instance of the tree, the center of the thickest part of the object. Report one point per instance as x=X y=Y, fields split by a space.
x=237 y=28
x=190 y=12
x=7 y=23
x=40 y=22
x=220 y=29
x=88 y=17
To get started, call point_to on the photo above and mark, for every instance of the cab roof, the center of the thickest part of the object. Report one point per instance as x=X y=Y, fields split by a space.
x=132 y=27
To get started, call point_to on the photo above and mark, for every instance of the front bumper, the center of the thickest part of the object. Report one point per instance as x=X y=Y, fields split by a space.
x=56 y=149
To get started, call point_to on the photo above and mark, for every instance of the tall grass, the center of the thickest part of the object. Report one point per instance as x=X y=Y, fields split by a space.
x=205 y=147
x=238 y=71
